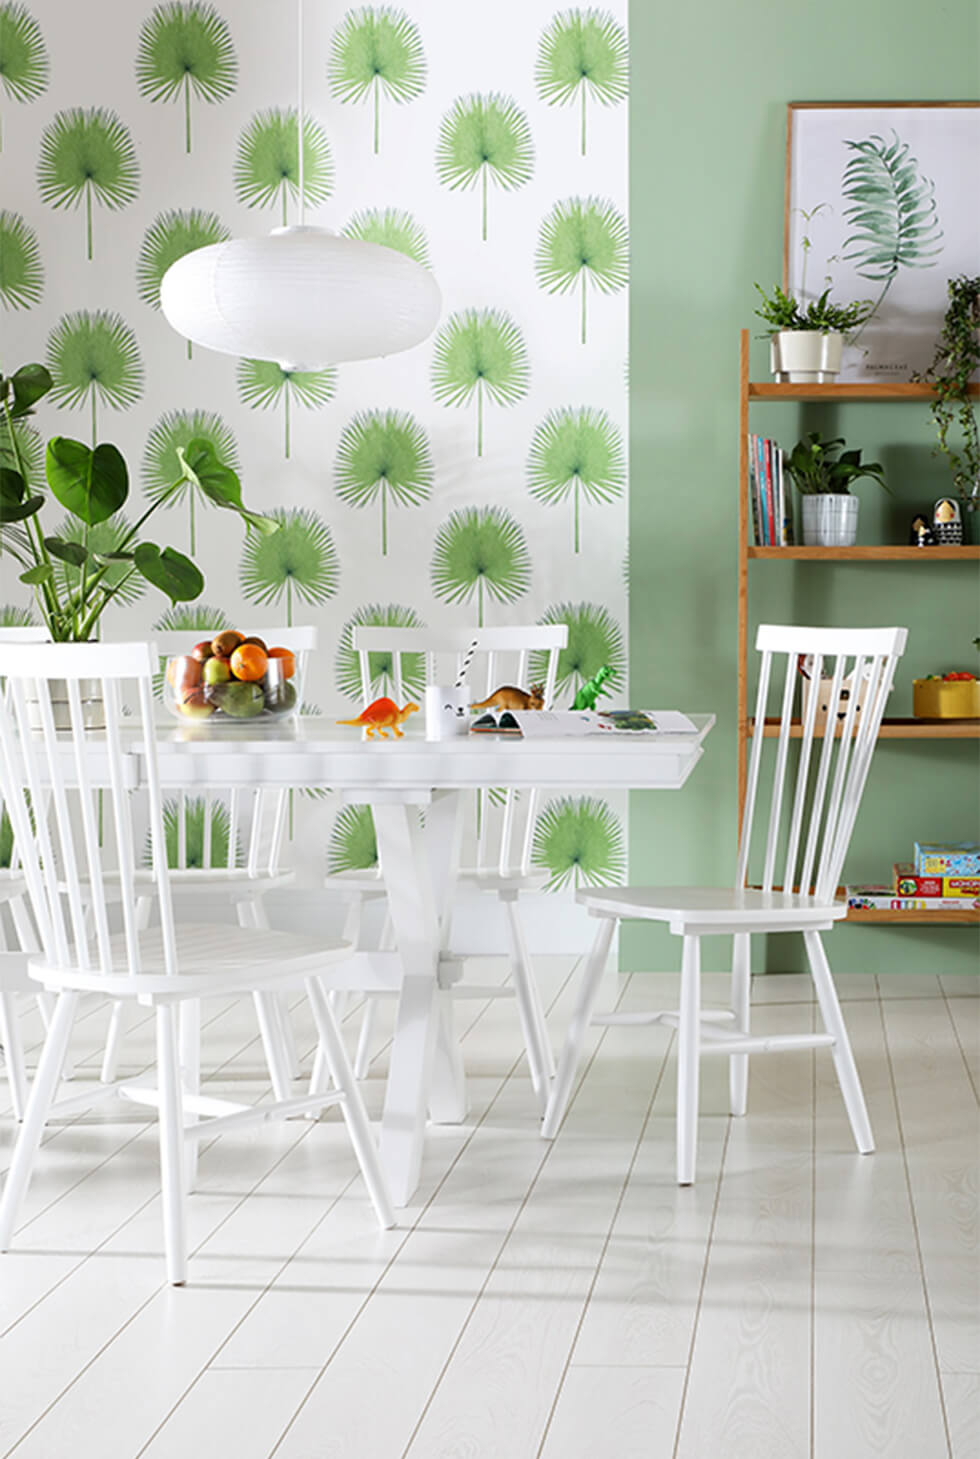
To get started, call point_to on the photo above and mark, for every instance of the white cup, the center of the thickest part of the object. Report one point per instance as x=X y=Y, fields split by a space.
x=447 y=711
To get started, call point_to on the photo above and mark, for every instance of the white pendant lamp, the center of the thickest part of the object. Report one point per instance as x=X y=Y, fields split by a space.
x=302 y=296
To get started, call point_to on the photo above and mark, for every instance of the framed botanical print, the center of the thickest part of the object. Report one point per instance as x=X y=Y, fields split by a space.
x=883 y=204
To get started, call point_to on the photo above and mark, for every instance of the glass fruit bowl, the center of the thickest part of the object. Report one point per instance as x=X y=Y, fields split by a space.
x=234 y=679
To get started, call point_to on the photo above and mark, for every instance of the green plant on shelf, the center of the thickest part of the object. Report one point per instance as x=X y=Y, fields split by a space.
x=954 y=364
x=782 y=311
x=820 y=468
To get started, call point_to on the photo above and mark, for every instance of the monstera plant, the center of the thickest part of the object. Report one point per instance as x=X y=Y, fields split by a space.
x=76 y=573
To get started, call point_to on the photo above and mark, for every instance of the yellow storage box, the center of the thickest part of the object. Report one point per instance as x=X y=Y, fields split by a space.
x=946 y=699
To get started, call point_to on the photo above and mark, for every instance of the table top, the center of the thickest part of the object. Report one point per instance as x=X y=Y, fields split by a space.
x=313 y=751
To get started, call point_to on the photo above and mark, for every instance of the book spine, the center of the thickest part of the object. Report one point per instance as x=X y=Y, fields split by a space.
x=787 y=500
x=908 y=884
x=871 y=902
x=770 y=500
x=760 y=487
x=754 y=493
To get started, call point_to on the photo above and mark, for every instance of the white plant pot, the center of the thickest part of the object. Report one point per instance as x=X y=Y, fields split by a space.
x=830 y=520
x=805 y=356
x=93 y=705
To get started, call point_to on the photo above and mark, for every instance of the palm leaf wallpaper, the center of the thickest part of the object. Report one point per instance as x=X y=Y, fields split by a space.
x=24 y=63
x=892 y=209
x=384 y=456
x=478 y=478
x=579 y=842
x=484 y=139
x=582 y=56
x=185 y=51
x=376 y=51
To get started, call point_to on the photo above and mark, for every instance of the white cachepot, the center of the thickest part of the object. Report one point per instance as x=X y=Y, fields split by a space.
x=830 y=519
x=92 y=704
x=805 y=356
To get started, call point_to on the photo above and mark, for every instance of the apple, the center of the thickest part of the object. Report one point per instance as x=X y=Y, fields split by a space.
x=217 y=670
x=183 y=673
x=195 y=706
x=202 y=651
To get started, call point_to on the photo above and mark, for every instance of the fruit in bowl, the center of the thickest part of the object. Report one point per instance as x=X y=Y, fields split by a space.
x=234 y=677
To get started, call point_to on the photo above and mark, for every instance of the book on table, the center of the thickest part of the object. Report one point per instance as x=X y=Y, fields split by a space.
x=575 y=723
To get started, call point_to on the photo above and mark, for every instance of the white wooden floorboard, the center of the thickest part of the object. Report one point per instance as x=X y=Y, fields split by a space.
x=535 y=1302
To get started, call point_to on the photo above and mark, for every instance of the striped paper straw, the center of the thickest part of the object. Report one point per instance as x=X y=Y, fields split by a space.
x=466 y=663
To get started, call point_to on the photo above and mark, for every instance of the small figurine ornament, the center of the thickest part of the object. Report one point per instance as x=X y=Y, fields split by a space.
x=507 y=697
x=947 y=524
x=381 y=716
x=592 y=688
x=920 y=533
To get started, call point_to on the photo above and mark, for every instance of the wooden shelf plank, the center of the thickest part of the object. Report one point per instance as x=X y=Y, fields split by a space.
x=896 y=390
x=893 y=729
x=969 y=917
x=880 y=553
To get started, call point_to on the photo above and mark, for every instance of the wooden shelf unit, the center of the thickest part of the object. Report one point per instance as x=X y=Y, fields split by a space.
x=893 y=729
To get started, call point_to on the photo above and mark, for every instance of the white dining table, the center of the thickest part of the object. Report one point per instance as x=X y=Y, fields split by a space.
x=419 y=862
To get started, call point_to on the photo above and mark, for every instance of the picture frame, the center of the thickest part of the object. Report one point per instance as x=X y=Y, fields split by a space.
x=877 y=208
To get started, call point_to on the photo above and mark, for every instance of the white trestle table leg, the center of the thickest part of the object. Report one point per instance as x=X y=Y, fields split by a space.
x=571 y=1052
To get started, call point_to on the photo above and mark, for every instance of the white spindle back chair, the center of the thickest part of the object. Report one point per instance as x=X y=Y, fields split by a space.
x=92 y=941
x=252 y=865
x=790 y=862
x=497 y=852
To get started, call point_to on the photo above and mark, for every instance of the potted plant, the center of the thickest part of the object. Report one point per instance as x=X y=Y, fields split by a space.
x=72 y=583
x=953 y=367
x=806 y=343
x=822 y=473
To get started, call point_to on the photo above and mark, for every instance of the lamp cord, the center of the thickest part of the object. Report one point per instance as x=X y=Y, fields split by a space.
x=300 y=118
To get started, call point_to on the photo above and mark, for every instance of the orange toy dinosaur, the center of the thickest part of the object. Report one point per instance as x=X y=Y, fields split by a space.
x=382 y=716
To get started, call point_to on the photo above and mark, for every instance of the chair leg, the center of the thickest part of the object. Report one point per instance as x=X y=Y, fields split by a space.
x=362 y=1054
x=571 y=1052
x=113 y=1038
x=189 y=1054
x=528 y=1007
x=833 y=1022
x=738 y=1064
x=276 y=1053
x=39 y=1102
x=688 y=1057
x=13 y=1053
x=352 y=1106
x=172 y=1187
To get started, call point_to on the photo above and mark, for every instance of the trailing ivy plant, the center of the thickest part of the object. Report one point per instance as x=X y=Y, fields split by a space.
x=953 y=366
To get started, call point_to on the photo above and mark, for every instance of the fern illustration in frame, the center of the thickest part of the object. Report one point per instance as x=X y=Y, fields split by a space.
x=876 y=191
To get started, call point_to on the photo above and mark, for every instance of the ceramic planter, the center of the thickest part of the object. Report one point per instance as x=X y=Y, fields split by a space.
x=805 y=356
x=93 y=705
x=830 y=520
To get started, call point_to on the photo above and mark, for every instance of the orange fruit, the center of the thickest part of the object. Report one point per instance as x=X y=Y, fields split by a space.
x=288 y=659
x=225 y=643
x=249 y=662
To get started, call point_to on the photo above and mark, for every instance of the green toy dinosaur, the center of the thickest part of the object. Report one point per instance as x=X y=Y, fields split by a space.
x=592 y=688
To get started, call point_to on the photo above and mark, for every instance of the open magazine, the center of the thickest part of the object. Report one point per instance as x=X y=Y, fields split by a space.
x=574 y=723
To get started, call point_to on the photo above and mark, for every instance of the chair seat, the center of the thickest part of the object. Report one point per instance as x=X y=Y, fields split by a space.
x=213 y=958
x=491 y=879
x=362 y=882
x=726 y=908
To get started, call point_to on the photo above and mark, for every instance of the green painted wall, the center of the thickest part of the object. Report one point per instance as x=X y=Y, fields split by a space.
x=710 y=87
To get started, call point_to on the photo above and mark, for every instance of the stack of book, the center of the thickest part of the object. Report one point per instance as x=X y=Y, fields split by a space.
x=940 y=879
x=772 y=515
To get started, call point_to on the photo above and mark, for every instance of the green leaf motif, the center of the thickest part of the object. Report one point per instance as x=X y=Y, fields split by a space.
x=484 y=138
x=579 y=842
x=583 y=242
x=891 y=208
x=480 y=552
x=30 y=451
x=264 y=383
x=170 y=236
x=584 y=54
x=353 y=841
x=21 y=273
x=94 y=358
x=174 y=431
x=267 y=164
x=87 y=155
x=381 y=666
x=376 y=51
x=14 y=616
x=391 y=228
x=577 y=453
x=299 y=559
x=185 y=49
x=594 y=639
x=196 y=854
x=384 y=455
x=23 y=57
x=192 y=618
x=481 y=354
x=108 y=536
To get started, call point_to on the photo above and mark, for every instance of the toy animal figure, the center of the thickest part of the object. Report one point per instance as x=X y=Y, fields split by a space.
x=381 y=716
x=592 y=688
x=507 y=697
